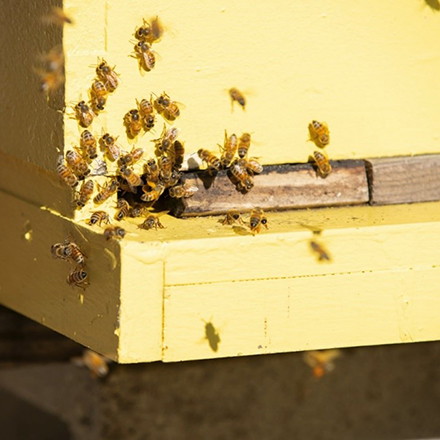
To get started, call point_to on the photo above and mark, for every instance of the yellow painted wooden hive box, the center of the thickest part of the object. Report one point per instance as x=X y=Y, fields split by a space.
x=199 y=289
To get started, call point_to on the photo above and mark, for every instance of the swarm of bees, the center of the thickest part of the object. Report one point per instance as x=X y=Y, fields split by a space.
x=320 y=135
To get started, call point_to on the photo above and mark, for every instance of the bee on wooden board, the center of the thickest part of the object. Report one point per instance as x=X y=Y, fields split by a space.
x=182 y=191
x=322 y=163
x=321 y=253
x=87 y=144
x=133 y=123
x=243 y=179
x=137 y=210
x=84 y=194
x=108 y=76
x=228 y=150
x=57 y=17
x=77 y=163
x=114 y=233
x=166 y=139
x=132 y=179
x=107 y=143
x=243 y=145
x=257 y=220
x=213 y=162
x=77 y=277
x=83 y=114
x=66 y=173
x=106 y=191
x=252 y=165
x=176 y=154
x=166 y=107
x=145 y=56
x=152 y=194
x=98 y=95
x=319 y=133
x=151 y=171
x=232 y=216
x=237 y=96
x=150 y=32
x=166 y=169
x=146 y=110
x=68 y=251
x=98 y=217
x=123 y=209
x=131 y=158
x=151 y=221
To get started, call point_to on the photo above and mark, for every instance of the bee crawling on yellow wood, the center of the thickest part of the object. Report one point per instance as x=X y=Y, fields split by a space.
x=146 y=111
x=66 y=173
x=152 y=191
x=77 y=277
x=68 y=251
x=228 y=149
x=232 y=216
x=106 y=191
x=240 y=176
x=83 y=114
x=88 y=145
x=133 y=123
x=237 y=96
x=84 y=194
x=114 y=233
x=77 y=163
x=107 y=75
x=150 y=32
x=257 y=220
x=108 y=144
x=123 y=209
x=213 y=162
x=98 y=217
x=320 y=251
x=182 y=191
x=98 y=96
x=322 y=163
x=131 y=158
x=145 y=56
x=167 y=108
x=319 y=133
x=151 y=221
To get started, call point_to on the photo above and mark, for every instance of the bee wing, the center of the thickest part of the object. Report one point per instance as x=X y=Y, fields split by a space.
x=99 y=168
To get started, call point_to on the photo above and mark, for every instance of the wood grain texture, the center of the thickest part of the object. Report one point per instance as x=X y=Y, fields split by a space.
x=404 y=179
x=279 y=187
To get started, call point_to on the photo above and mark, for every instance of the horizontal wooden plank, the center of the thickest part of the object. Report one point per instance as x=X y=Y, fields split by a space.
x=404 y=179
x=278 y=187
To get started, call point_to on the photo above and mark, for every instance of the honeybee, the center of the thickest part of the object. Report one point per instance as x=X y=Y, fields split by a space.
x=98 y=217
x=52 y=76
x=131 y=158
x=167 y=108
x=151 y=171
x=152 y=221
x=114 y=233
x=228 y=150
x=54 y=59
x=131 y=178
x=157 y=29
x=237 y=96
x=182 y=191
x=146 y=110
x=98 y=94
x=243 y=145
x=319 y=133
x=76 y=162
x=252 y=165
x=232 y=216
x=66 y=173
x=60 y=251
x=256 y=220
x=137 y=210
x=321 y=252
x=243 y=178
x=58 y=17
x=166 y=139
x=133 y=123
x=108 y=76
x=211 y=160
x=107 y=143
x=177 y=153
x=50 y=81
x=145 y=56
x=68 y=251
x=166 y=169
x=106 y=191
x=77 y=277
x=97 y=364
x=84 y=114
x=123 y=209
x=84 y=194
x=150 y=33
x=151 y=195
x=322 y=163
x=321 y=361
x=87 y=143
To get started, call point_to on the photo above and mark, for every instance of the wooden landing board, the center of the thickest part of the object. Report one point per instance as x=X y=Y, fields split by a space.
x=279 y=187
x=404 y=179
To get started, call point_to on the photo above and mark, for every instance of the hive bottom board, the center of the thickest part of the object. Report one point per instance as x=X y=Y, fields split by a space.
x=199 y=290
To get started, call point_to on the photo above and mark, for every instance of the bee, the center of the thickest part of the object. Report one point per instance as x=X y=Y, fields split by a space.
x=322 y=163
x=244 y=180
x=228 y=150
x=68 y=251
x=166 y=168
x=322 y=253
x=107 y=143
x=166 y=140
x=131 y=177
x=66 y=173
x=131 y=158
x=97 y=364
x=157 y=29
x=211 y=160
x=85 y=194
x=84 y=114
x=61 y=251
x=98 y=217
x=152 y=171
x=123 y=209
x=108 y=76
x=145 y=56
x=182 y=191
x=321 y=361
x=146 y=110
x=114 y=233
x=50 y=81
x=150 y=33
x=106 y=191
x=167 y=108
x=257 y=220
x=177 y=154
x=58 y=17
x=152 y=221
x=252 y=165
x=319 y=133
x=87 y=144
x=77 y=277
x=243 y=145
x=152 y=193
x=137 y=210
x=231 y=217
x=237 y=96
x=54 y=59
x=77 y=163
x=98 y=94
x=133 y=123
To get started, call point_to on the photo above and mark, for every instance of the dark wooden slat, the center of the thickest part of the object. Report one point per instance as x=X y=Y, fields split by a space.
x=404 y=179
x=278 y=187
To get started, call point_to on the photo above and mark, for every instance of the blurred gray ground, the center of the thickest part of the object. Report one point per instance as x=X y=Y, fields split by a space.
x=386 y=392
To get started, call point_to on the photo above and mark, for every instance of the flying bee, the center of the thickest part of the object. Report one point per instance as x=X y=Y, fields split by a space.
x=152 y=221
x=58 y=17
x=97 y=364
x=87 y=144
x=146 y=110
x=157 y=29
x=137 y=210
x=145 y=56
x=322 y=361
x=50 y=81
x=123 y=209
x=243 y=145
x=166 y=107
x=257 y=220
x=83 y=114
x=98 y=217
x=77 y=163
x=131 y=158
x=108 y=76
x=107 y=143
x=237 y=96
x=211 y=160
x=182 y=191
x=243 y=179
x=232 y=216
x=319 y=133
x=152 y=194
x=150 y=33
x=320 y=251
x=176 y=154
x=252 y=165
x=54 y=59
x=228 y=150
x=114 y=233
x=98 y=95
x=66 y=173
x=151 y=171
x=106 y=191
x=322 y=163
x=84 y=194
x=132 y=179
x=133 y=123
x=77 y=277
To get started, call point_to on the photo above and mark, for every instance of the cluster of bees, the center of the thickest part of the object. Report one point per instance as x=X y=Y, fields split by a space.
x=320 y=135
